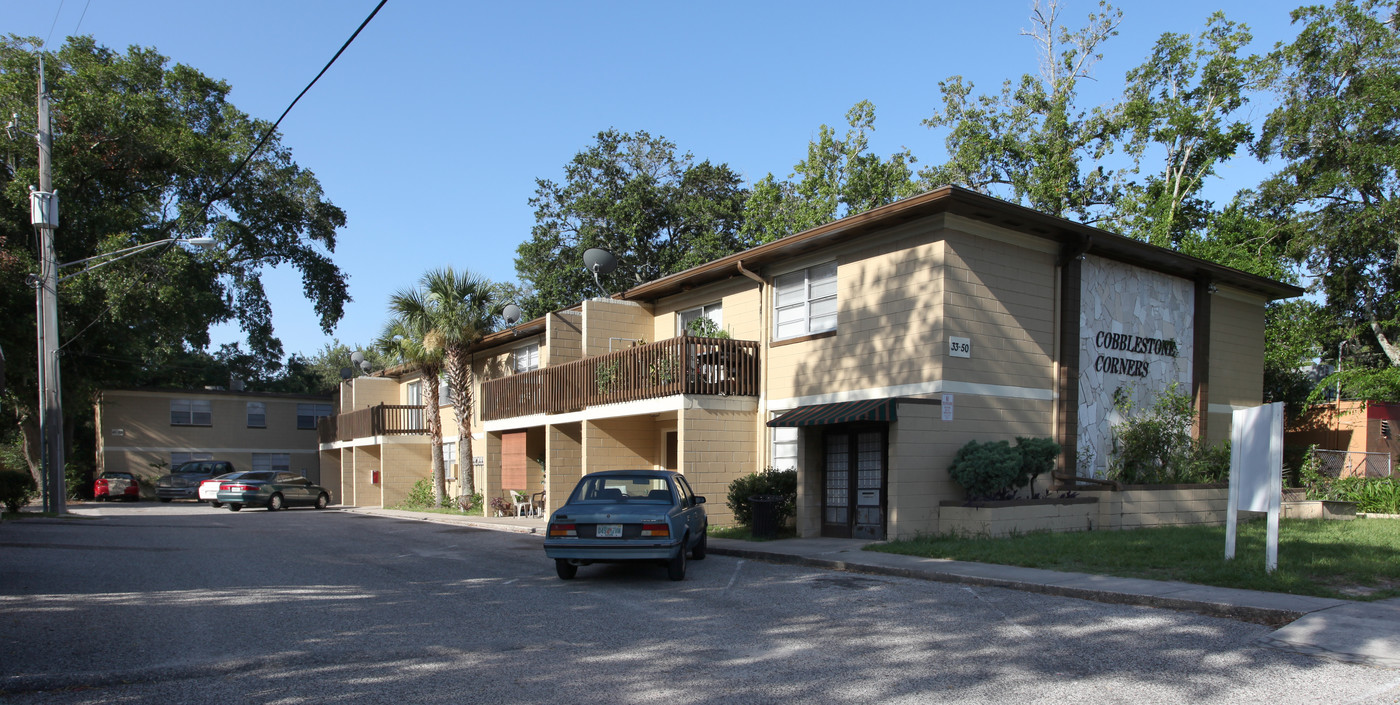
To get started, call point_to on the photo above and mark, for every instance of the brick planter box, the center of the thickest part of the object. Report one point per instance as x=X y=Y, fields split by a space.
x=1017 y=516
x=1135 y=506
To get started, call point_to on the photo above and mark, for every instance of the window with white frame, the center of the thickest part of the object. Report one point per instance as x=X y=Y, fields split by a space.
x=257 y=414
x=784 y=447
x=805 y=302
x=714 y=312
x=177 y=459
x=527 y=357
x=272 y=461
x=449 y=456
x=191 y=412
x=309 y=414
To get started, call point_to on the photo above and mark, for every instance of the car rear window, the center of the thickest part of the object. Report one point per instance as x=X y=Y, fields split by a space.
x=623 y=488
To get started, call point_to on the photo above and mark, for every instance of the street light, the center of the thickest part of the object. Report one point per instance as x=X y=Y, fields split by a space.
x=45 y=218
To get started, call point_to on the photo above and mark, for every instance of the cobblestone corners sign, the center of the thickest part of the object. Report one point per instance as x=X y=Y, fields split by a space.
x=1109 y=343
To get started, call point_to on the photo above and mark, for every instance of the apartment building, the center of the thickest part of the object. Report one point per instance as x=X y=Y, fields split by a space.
x=144 y=431
x=863 y=353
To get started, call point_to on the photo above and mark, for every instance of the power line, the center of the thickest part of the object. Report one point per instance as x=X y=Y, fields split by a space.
x=215 y=195
x=56 y=13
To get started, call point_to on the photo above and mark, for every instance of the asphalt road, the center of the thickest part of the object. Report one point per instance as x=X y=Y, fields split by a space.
x=181 y=603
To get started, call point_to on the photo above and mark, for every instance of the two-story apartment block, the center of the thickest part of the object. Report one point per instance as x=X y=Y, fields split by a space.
x=142 y=431
x=863 y=353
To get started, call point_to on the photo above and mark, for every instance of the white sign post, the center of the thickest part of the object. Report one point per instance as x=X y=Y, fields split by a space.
x=1256 y=474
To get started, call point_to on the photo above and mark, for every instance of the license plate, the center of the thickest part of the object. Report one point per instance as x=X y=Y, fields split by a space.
x=609 y=531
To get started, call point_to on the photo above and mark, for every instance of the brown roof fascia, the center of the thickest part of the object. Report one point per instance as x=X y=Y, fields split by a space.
x=961 y=201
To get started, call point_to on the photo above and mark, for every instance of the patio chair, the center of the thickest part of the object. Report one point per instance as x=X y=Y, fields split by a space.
x=537 y=503
x=521 y=502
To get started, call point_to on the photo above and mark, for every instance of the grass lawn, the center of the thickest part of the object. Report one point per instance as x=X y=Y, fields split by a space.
x=1357 y=560
x=744 y=533
x=473 y=512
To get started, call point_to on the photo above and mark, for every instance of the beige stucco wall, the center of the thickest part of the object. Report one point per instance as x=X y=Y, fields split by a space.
x=740 y=305
x=1236 y=357
x=135 y=431
x=901 y=294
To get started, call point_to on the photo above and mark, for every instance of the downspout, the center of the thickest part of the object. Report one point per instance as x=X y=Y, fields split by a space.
x=763 y=338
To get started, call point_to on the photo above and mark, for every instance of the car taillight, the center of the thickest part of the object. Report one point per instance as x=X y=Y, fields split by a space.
x=656 y=530
x=238 y=488
x=102 y=483
x=563 y=530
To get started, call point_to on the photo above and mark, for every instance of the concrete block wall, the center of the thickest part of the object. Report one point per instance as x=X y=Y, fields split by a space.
x=563 y=338
x=361 y=474
x=604 y=320
x=994 y=522
x=628 y=443
x=404 y=464
x=717 y=446
x=330 y=474
x=564 y=460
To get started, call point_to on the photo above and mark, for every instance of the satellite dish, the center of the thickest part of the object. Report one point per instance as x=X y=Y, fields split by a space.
x=364 y=365
x=357 y=357
x=511 y=313
x=347 y=372
x=599 y=261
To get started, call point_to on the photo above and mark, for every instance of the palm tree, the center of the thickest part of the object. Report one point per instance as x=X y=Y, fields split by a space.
x=459 y=308
x=410 y=343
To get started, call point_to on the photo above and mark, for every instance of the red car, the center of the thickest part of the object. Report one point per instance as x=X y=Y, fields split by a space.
x=113 y=486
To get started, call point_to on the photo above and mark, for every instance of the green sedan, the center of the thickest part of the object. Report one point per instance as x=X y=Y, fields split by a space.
x=273 y=490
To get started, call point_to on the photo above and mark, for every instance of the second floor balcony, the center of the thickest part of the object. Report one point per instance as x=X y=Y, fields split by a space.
x=682 y=365
x=381 y=420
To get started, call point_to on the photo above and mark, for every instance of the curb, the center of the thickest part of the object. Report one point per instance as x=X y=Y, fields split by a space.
x=445 y=519
x=1257 y=615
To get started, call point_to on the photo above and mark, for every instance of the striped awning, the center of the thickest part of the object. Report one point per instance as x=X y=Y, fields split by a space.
x=840 y=412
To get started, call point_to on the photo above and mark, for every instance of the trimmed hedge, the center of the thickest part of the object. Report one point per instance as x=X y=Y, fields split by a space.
x=16 y=489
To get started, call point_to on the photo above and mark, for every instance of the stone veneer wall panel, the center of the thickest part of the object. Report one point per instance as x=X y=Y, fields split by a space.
x=1118 y=298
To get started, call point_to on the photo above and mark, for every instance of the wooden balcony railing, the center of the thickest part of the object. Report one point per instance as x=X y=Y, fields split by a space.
x=683 y=365
x=325 y=429
x=381 y=420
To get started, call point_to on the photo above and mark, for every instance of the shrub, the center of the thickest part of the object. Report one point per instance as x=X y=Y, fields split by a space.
x=769 y=482
x=986 y=470
x=996 y=470
x=1154 y=445
x=1037 y=458
x=502 y=506
x=16 y=489
x=420 y=496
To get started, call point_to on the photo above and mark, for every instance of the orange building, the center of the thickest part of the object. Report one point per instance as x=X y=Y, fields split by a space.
x=1357 y=427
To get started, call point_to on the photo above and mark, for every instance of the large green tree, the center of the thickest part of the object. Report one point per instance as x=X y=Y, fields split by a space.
x=146 y=150
x=839 y=177
x=1032 y=143
x=1336 y=132
x=1183 y=110
x=658 y=211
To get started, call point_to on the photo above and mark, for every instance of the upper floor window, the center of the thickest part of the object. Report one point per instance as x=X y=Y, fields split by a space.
x=444 y=392
x=527 y=358
x=308 y=414
x=688 y=321
x=272 y=461
x=191 y=412
x=257 y=414
x=805 y=302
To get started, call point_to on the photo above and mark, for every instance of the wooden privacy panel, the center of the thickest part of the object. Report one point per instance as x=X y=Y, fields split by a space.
x=513 y=459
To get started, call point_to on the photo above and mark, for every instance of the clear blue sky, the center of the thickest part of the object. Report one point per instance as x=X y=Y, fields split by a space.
x=431 y=129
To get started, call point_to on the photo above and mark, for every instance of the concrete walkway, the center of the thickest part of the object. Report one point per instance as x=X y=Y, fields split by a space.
x=1342 y=630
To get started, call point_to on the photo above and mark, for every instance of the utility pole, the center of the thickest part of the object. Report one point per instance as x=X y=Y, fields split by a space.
x=44 y=216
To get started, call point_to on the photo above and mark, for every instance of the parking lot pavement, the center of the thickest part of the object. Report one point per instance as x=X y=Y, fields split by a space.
x=1341 y=630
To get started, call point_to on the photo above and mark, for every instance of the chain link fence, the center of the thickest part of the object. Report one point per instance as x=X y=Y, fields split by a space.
x=1344 y=463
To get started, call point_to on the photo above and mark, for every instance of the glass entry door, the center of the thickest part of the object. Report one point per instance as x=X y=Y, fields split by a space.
x=853 y=484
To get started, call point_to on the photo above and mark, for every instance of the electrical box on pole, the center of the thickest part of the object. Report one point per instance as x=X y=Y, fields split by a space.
x=43 y=209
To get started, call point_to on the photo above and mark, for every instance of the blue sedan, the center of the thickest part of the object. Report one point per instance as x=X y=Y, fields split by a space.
x=628 y=515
